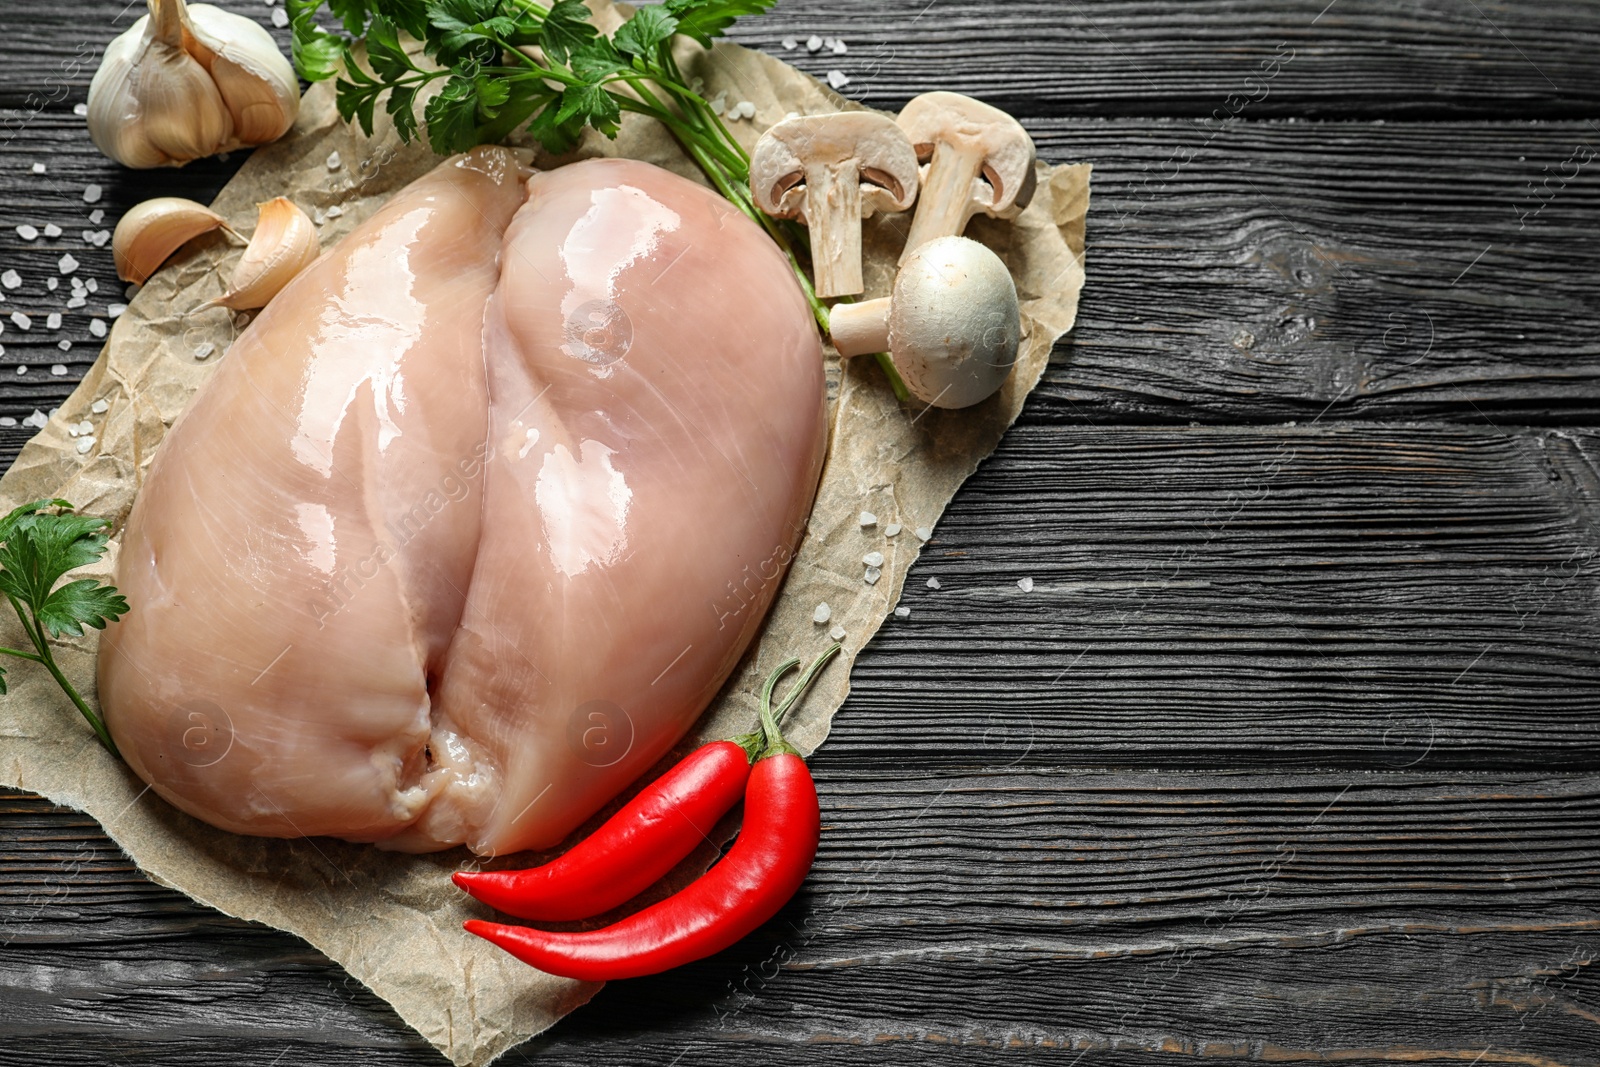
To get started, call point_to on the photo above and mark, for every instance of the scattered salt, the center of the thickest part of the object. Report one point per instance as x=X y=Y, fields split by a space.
x=51 y=230
x=747 y=110
x=204 y=349
x=21 y=369
x=64 y=345
x=38 y=418
x=97 y=327
x=7 y=420
x=10 y=279
x=838 y=79
x=892 y=530
x=335 y=211
x=51 y=284
x=27 y=233
x=98 y=238
x=814 y=44
x=1026 y=585
x=38 y=168
x=100 y=407
x=334 y=161
x=92 y=285
x=21 y=321
x=85 y=426
x=822 y=614
x=96 y=216
x=280 y=17
x=872 y=575
x=72 y=430
x=317 y=217
x=903 y=611
x=837 y=633
x=839 y=47
x=80 y=110
x=76 y=302
x=873 y=559
x=84 y=444
x=829 y=42
x=789 y=44
x=113 y=310
x=868 y=519
x=91 y=194
x=924 y=534
x=67 y=263
x=934 y=583
x=53 y=320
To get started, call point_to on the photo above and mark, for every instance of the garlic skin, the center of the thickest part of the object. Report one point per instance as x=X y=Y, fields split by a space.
x=284 y=244
x=150 y=232
x=185 y=82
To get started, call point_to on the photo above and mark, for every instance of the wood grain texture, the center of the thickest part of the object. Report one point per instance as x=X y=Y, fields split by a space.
x=1291 y=751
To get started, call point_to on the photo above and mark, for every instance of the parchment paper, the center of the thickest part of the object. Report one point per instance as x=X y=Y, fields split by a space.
x=394 y=921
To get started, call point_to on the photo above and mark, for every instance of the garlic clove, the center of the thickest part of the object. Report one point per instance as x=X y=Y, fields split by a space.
x=149 y=233
x=283 y=244
x=256 y=82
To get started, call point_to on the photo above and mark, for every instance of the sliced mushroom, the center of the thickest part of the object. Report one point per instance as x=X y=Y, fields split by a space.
x=952 y=323
x=830 y=172
x=977 y=158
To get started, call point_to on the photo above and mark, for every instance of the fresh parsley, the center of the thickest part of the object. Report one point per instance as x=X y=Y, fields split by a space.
x=489 y=68
x=39 y=543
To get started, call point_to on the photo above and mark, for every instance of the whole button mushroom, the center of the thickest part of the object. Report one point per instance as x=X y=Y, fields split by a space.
x=830 y=172
x=952 y=323
x=977 y=158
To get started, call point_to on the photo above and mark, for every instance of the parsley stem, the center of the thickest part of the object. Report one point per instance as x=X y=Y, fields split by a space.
x=30 y=624
x=17 y=652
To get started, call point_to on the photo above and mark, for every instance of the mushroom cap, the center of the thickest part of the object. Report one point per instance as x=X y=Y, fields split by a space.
x=954 y=322
x=873 y=142
x=1008 y=178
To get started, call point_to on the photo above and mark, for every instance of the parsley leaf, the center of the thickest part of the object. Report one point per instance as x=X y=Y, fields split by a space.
x=40 y=543
x=648 y=28
x=701 y=20
x=566 y=29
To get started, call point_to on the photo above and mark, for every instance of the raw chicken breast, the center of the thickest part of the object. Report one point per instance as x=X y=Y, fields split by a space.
x=476 y=518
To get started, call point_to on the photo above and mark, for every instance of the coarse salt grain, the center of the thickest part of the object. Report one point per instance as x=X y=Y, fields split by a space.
x=868 y=519
x=789 y=44
x=872 y=575
x=903 y=611
x=21 y=321
x=97 y=327
x=839 y=47
x=335 y=211
x=10 y=279
x=52 y=321
x=873 y=559
x=51 y=230
x=1026 y=585
x=51 y=284
x=80 y=110
x=38 y=418
x=334 y=161
x=113 y=310
x=822 y=614
x=934 y=583
x=280 y=17
x=7 y=420
x=38 y=168
x=838 y=79
x=84 y=444
x=746 y=110
x=100 y=407
x=85 y=426
x=27 y=233
x=67 y=263
x=924 y=533
x=91 y=285
x=892 y=530
x=827 y=42
x=21 y=369
x=64 y=345
x=204 y=349
x=96 y=216
x=91 y=194
x=837 y=633
x=97 y=238
x=76 y=302
x=814 y=44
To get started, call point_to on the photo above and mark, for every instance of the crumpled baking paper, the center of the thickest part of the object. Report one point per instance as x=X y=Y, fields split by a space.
x=394 y=921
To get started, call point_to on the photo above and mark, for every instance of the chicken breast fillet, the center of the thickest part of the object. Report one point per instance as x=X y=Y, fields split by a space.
x=475 y=519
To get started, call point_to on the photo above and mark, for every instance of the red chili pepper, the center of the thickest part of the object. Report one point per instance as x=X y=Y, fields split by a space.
x=765 y=867
x=632 y=850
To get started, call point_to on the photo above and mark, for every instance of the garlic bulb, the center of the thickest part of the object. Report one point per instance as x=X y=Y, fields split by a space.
x=284 y=244
x=155 y=229
x=187 y=81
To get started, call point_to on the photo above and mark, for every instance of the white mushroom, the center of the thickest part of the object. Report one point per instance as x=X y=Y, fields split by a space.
x=977 y=158
x=830 y=172
x=952 y=323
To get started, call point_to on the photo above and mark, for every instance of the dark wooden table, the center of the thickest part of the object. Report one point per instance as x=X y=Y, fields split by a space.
x=1289 y=753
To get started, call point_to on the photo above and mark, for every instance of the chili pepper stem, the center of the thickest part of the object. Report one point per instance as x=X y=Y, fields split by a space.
x=775 y=743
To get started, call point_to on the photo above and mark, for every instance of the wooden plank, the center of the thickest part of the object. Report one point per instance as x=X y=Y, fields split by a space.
x=1272 y=272
x=1350 y=59
x=1039 y=910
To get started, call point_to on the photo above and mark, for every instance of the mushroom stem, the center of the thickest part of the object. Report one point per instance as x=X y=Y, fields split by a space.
x=945 y=204
x=833 y=208
x=860 y=329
